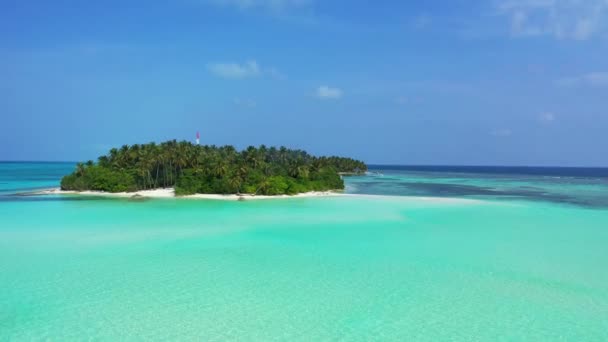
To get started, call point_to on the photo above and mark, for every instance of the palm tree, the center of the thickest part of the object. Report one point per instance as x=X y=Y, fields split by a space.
x=150 y=166
x=283 y=152
x=103 y=161
x=80 y=169
x=113 y=154
x=302 y=171
x=252 y=157
x=220 y=168
x=181 y=156
x=263 y=185
x=235 y=181
x=241 y=170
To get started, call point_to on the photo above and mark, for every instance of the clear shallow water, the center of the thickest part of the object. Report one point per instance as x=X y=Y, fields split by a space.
x=348 y=268
x=30 y=176
x=586 y=187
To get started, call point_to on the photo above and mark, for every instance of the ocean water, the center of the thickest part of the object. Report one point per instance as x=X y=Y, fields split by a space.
x=482 y=256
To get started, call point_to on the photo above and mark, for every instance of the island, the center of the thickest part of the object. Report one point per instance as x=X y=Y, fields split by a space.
x=202 y=169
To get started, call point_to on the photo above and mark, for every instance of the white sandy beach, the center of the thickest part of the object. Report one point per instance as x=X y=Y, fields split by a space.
x=170 y=193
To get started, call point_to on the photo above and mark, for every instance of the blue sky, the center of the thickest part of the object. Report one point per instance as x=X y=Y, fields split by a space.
x=502 y=82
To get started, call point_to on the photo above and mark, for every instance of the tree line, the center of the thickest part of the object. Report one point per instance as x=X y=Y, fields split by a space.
x=211 y=169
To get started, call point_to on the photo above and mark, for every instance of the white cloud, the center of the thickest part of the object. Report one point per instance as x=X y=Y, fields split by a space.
x=593 y=79
x=235 y=70
x=270 y=5
x=501 y=133
x=562 y=19
x=249 y=69
x=325 y=92
x=546 y=117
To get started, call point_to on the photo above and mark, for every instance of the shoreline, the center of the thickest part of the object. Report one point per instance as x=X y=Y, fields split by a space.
x=170 y=193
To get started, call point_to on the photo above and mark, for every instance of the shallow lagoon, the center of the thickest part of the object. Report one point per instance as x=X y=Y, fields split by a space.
x=478 y=267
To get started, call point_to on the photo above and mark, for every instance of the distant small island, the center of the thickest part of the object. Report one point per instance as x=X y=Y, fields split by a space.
x=193 y=169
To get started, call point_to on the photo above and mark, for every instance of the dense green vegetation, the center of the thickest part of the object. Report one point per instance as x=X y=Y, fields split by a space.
x=211 y=170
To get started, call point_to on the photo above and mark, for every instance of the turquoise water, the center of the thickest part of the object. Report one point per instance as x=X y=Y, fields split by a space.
x=483 y=266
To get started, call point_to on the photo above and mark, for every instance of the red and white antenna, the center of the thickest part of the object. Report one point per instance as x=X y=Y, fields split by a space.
x=198 y=138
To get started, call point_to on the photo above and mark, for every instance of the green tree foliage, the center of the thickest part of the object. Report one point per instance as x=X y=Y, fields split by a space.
x=195 y=169
x=95 y=177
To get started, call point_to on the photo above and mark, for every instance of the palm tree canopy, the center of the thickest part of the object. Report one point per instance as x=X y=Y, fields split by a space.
x=211 y=169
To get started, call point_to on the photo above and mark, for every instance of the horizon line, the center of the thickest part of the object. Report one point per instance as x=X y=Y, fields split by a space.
x=370 y=164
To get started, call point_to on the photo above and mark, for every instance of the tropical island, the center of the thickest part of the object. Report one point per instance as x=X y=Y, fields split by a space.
x=194 y=169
